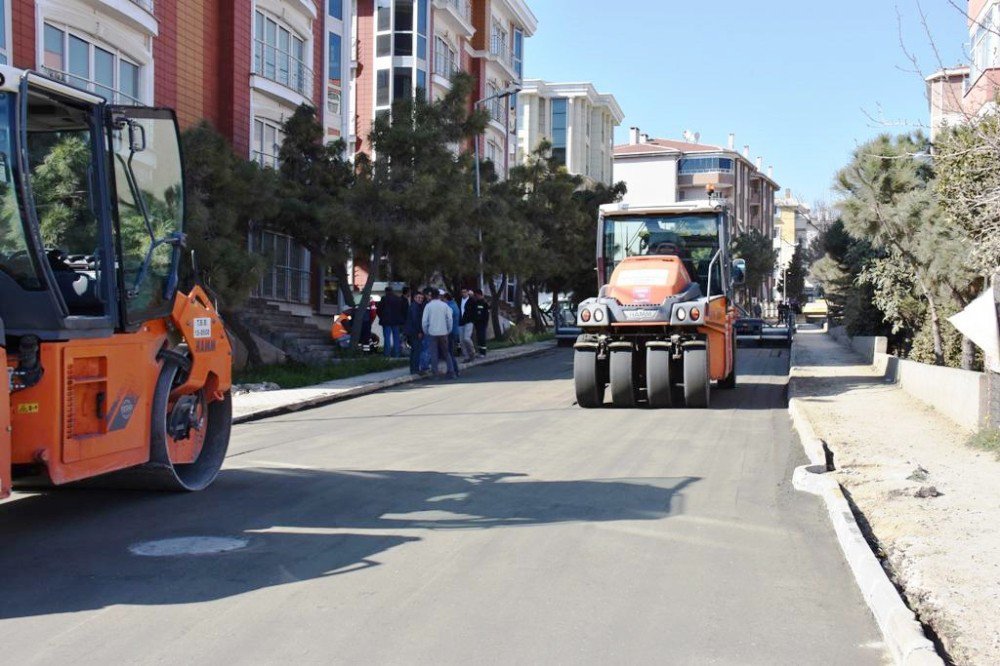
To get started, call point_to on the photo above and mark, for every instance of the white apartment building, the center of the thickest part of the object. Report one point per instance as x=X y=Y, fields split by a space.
x=668 y=170
x=577 y=120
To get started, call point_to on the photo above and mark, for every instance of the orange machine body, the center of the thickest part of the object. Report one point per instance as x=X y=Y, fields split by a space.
x=91 y=412
x=648 y=280
x=651 y=279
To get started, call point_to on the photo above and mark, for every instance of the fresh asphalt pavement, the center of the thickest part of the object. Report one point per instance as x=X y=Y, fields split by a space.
x=483 y=520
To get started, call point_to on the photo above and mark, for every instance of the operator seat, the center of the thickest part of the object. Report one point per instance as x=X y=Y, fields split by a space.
x=78 y=288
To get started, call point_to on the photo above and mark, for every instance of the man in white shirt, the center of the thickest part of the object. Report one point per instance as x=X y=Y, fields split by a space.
x=437 y=323
x=468 y=347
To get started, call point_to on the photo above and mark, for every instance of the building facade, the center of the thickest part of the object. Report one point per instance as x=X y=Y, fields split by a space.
x=957 y=95
x=577 y=120
x=666 y=170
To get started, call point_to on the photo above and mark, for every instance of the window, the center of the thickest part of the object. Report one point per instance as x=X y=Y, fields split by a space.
x=334 y=74
x=494 y=153
x=266 y=143
x=498 y=41
x=986 y=44
x=693 y=238
x=61 y=165
x=401 y=27
x=74 y=59
x=382 y=88
x=15 y=258
x=279 y=55
x=336 y=9
x=519 y=53
x=287 y=275
x=496 y=105
x=333 y=98
x=543 y=115
x=692 y=165
x=335 y=60
x=150 y=214
x=559 y=113
x=4 y=51
x=402 y=83
x=445 y=58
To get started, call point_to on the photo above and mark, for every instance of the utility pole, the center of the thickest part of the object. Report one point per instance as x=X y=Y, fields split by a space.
x=512 y=90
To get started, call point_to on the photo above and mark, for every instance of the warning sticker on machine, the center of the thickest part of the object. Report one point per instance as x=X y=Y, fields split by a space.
x=643 y=276
x=203 y=327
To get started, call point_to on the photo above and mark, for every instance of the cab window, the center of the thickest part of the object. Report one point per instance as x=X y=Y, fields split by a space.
x=150 y=203
x=61 y=171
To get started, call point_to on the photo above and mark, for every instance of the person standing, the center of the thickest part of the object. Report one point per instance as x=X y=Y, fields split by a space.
x=479 y=315
x=414 y=331
x=392 y=316
x=437 y=326
x=456 y=327
x=468 y=348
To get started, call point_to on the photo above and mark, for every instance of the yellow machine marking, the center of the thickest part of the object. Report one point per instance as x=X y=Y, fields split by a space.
x=28 y=408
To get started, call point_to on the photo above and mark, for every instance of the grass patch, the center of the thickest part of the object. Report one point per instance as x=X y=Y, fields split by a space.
x=987 y=440
x=297 y=375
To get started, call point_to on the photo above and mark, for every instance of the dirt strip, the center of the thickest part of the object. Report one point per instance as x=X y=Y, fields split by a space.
x=931 y=503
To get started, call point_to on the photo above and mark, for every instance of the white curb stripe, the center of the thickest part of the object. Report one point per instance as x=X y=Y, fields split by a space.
x=902 y=633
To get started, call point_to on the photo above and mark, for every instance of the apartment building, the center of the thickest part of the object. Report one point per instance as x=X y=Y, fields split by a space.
x=242 y=66
x=956 y=95
x=577 y=120
x=657 y=170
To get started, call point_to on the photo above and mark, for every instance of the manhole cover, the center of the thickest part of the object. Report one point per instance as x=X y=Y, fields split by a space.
x=200 y=545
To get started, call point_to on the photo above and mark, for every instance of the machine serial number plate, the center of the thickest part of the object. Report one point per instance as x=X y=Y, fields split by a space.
x=203 y=327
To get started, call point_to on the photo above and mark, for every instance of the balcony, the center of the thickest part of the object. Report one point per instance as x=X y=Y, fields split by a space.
x=281 y=74
x=461 y=11
x=138 y=13
x=500 y=51
x=113 y=96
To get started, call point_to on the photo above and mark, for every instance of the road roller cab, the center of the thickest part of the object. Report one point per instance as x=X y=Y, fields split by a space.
x=111 y=367
x=661 y=328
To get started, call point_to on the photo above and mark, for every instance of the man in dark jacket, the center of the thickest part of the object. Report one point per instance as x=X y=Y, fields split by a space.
x=414 y=330
x=392 y=313
x=477 y=312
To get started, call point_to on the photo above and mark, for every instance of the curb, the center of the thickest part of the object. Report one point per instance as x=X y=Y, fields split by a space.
x=900 y=629
x=374 y=387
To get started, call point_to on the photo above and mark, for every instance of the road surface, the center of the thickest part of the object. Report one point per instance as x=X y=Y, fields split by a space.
x=484 y=520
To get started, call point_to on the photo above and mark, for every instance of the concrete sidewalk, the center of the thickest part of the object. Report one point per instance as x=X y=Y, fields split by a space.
x=887 y=446
x=252 y=406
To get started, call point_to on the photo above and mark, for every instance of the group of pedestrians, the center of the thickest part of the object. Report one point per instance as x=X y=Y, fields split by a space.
x=437 y=327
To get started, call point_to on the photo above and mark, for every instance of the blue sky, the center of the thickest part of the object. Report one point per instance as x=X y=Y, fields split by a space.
x=794 y=79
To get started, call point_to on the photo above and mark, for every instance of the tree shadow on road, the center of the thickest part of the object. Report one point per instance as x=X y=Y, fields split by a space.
x=68 y=550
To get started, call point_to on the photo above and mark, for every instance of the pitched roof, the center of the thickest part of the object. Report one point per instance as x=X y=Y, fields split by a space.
x=664 y=146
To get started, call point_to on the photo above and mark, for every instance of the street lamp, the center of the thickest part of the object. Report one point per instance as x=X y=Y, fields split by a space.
x=511 y=90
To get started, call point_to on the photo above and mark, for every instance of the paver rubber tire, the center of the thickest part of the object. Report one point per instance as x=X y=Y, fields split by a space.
x=587 y=379
x=658 y=385
x=624 y=387
x=696 y=380
x=730 y=381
